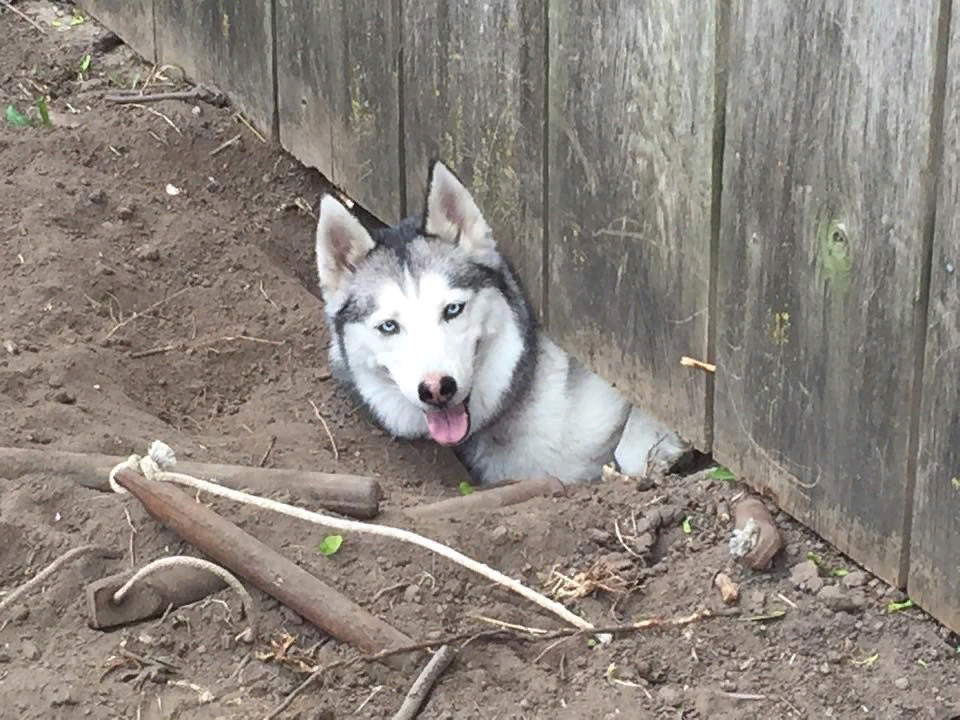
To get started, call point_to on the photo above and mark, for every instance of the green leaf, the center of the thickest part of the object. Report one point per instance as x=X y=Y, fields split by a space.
x=955 y=482
x=85 y=63
x=466 y=488
x=721 y=473
x=840 y=572
x=687 y=525
x=815 y=559
x=16 y=118
x=330 y=545
x=898 y=606
x=41 y=104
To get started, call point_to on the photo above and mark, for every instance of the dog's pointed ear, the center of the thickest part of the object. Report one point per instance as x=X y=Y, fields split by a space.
x=450 y=212
x=341 y=243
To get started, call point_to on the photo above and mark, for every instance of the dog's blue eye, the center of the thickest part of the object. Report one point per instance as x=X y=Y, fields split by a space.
x=389 y=327
x=452 y=310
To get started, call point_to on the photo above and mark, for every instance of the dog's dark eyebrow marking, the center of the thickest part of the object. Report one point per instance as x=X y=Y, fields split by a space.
x=354 y=310
x=477 y=276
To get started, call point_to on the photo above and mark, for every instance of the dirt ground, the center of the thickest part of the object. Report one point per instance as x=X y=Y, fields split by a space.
x=89 y=236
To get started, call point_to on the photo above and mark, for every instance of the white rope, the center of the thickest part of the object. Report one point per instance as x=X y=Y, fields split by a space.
x=247 y=635
x=161 y=457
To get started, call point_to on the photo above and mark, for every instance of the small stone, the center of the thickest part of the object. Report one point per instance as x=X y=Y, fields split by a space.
x=896 y=595
x=858 y=578
x=601 y=537
x=11 y=347
x=670 y=695
x=411 y=594
x=213 y=186
x=55 y=381
x=499 y=534
x=30 y=650
x=125 y=212
x=901 y=683
x=4 y=658
x=97 y=197
x=65 y=398
x=62 y=695
x=802 y=574
x=840 y=599
x=824 y=668
x=146 y=252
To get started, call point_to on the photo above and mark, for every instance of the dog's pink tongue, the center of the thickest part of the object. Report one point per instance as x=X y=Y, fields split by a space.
x=450 y=425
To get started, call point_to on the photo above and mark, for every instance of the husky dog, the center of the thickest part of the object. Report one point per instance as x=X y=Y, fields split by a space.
x=433 y=332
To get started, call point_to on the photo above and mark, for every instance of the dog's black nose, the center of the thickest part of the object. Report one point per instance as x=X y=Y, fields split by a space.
x=437 y=390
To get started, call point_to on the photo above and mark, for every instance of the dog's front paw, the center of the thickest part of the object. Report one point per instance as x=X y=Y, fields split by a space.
x=647 y=447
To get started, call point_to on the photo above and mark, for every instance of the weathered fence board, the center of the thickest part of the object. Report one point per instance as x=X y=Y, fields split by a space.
x=473 y=84
x=631 y=122
x=308 y=66
x=934 y=580
x=131 y=20
x=226 y=43
x=820 y=260
x=337 y=77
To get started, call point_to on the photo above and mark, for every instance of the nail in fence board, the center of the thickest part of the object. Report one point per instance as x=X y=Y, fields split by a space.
x=225 y=43
x=473 y=83
x=631 y=122
x=821 y=246
x=131 y=20
x=337 y=77
x=934 y=581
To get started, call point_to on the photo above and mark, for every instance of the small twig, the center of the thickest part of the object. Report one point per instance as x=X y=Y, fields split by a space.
x=316 y=411
x=788 y=601
x=133 y=535
x=26 y=17
x=311 y=678
x=383 y=591
x=150 y=309
x=548 y=648
x=152 y=351
x=265 y=296
x=197 y=93
x=158 y=114
x=511 y=626
x=699 y=364
x=424 y=683
x=631 y=551
x=509 y=631
x=241 y=119
x=266 y=455
x=52 y=568
x=370 y=697
x=161 y=349
x=224 y=145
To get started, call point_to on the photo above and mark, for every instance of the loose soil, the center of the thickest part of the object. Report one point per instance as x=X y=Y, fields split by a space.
x=100 y=262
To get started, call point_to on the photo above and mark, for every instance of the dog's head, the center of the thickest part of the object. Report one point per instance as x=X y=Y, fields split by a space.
x=422 y=313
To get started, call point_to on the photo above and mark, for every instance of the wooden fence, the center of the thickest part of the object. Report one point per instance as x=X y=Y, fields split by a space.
x=771 y=186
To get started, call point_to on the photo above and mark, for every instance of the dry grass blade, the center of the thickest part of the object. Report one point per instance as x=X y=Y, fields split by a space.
x=326 y=428
x=150 y=309
x=159 y=114
x=24 y=16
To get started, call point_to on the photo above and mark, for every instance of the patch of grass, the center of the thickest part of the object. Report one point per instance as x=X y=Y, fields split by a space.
x=16 y=118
